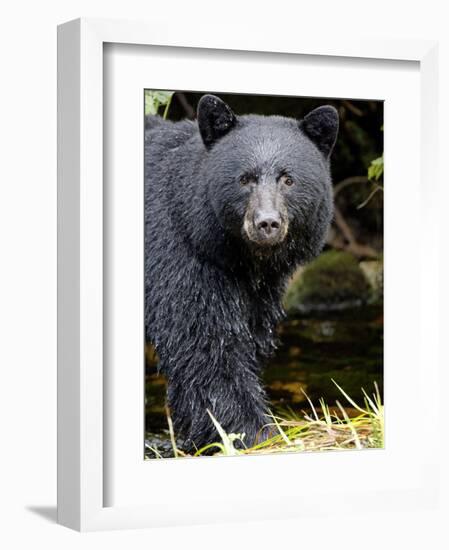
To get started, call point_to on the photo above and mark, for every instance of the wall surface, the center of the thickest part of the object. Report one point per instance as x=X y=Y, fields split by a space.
x=28 y=266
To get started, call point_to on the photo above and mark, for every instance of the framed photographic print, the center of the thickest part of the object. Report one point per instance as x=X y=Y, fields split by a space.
x=249 y=284
x=234 y=282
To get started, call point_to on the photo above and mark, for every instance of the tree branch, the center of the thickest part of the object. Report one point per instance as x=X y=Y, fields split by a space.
x=189 y=110
x=360 y=250
x=349 y=181
x=351 y=107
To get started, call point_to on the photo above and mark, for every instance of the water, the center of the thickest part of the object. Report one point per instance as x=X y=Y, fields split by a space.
x=345 y=346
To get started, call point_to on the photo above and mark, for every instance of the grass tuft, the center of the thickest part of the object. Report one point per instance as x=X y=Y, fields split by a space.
x=324 y=429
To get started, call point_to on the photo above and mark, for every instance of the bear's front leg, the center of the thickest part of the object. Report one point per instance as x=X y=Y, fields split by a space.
x=227 y=385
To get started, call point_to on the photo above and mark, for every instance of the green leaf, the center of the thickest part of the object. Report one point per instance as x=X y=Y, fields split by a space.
x=376 y=168
x=150 y=105
x=155 y=99
x=162 y=97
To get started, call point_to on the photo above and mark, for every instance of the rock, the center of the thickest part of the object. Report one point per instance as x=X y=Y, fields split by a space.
x=374 y=272
x=332 y=282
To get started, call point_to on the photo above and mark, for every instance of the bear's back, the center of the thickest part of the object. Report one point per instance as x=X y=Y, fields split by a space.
x=164 y=135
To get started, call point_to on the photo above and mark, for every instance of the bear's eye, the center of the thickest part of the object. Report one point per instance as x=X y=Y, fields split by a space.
x=287 y=180
x=245 y=179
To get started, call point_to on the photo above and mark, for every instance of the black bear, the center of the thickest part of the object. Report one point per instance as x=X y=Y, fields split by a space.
x=233 y=204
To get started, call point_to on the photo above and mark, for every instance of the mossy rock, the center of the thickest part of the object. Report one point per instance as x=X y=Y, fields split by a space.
x=374 y=272
x=331 y=282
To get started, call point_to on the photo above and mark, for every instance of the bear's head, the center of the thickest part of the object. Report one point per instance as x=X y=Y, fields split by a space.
x=268 y=178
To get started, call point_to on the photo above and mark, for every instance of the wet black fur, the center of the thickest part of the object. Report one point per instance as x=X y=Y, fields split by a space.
x=212 y=298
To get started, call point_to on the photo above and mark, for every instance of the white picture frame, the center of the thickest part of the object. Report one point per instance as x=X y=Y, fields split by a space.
x=83 y=394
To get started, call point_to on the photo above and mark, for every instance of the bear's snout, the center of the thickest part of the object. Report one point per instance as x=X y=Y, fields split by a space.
x=266 y=221
x=265 y=228
x=267 y=224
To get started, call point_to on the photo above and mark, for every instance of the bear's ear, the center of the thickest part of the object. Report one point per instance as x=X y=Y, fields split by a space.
x=321 y=126
x=215 y=119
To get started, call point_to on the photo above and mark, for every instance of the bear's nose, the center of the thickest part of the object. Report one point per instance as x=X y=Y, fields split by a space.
x=267 y=224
